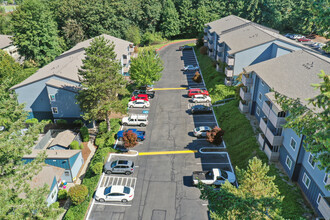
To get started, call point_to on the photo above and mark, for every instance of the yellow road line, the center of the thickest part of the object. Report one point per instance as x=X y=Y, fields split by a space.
x=168 y=152
x=170 y=88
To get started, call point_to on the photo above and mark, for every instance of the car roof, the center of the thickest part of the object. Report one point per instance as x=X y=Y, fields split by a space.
x=117 y=189
x=197 y=89
x=123 y=162
x=199 y=95
x=199 y=106
x=203 y=127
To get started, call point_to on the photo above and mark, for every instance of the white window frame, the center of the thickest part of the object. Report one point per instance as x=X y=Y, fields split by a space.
x=52 y=98
x=53 y=108
x=260 y=96
x=318 y=198
x=326 y=177
x=309 y=157
x=258 y=111
x=262 y=83
x=286 y=162
x=293 y=148
x=305 y=177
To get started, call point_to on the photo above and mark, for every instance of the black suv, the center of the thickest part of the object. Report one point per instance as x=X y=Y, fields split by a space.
x=119 y=166
x=198 y=109
x=151 y=94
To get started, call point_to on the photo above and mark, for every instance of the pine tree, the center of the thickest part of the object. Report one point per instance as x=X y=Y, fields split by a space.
x=170 y=25
x=101 y=81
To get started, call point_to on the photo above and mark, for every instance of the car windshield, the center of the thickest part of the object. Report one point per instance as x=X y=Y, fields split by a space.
x=113 y=164
x=198 y=129
x=224 y=174
x=127 y=190
x=107 y=190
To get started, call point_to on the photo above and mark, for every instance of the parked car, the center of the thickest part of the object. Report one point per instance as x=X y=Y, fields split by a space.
x=114 y=193
x=318 y=45
x=298 y=36
x=150 y=93
x=303 y=39
x=201 y=98
x=201 y=131
x=192 y=92
x=140 y=134
x=135 y=119
x=139 y=104
x=141 y=97
x=119 y=166
x=288 y=35
x=185 y=47
x=213 y=177
x=198 y=109
x=191 y=68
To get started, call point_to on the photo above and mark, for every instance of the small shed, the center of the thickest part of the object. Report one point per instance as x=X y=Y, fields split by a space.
x=63 y=140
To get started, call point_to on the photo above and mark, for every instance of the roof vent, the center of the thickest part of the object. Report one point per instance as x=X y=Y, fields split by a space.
x=308 y=65
x=252 y=36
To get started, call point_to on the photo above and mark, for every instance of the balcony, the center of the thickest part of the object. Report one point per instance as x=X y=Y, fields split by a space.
x=270 y=152
x=210 y=44
x=243 y=107
x=125 y=61
x=274 y=140
x=324 y=207
x=228 y=82
x=230 y=60
x=206 y=29
x=219 y=58
x=246 y=80
x=229 y=72
x=205 y=37
x=220 y=48
x=261 y=140
x=273 y=118
x=245 y=94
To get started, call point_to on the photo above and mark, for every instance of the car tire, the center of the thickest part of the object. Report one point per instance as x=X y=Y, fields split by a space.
x=120 y=139
x=130 y=106
x=139 y=140
x=124 y=201
x=142 y=125
x=144 y=106
x=101 y=200
x=125 y=124
x=108 y=172
x=128 y=173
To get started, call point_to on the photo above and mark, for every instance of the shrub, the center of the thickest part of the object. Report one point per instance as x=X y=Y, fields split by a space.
x=200 y=40
x=152 y=38
x=81 y=146
x=130 y=139
x=31 y=121
x=214 y=64
x=61 y=122
x=74 y=145
x=103 y=127
x=215 y=135
x=99 y=141
x=78 y=123
x=78 y=194
x=197 y=77
x=62 y=194
x=84 y=134
x=203 y=50
x=97 y=168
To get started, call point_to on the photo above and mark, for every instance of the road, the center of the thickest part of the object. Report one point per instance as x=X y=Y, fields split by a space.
x=162 y=182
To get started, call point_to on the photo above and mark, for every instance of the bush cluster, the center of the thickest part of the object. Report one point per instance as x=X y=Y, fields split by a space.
x=84 y=134
x=203 y=50
x=31 y=121
x=97 y=168
x=130 y=139
x=215 y=135
x=78 y=194
x=62 y=194
x=61 y=122
x=78 y=123
x=197 y=77
x=75 y=145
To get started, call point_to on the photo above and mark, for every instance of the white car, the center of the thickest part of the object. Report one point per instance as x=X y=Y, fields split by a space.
x=139 y=104
x=201 y=98
x=191 y=68
x=201 y=131
x=114 y=193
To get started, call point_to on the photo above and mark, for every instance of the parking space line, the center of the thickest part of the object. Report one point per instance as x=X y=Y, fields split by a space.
x=101 y=203
x=200 y=122
x=168 y=152
x=212 y=163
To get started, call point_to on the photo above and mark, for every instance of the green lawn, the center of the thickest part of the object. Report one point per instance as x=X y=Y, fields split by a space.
x=241 y=140
x=157 y=46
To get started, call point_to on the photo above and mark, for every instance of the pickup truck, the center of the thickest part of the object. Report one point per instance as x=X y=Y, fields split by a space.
x=213 y=177
x=135 y=119
x=140 y=134
x=151 y=94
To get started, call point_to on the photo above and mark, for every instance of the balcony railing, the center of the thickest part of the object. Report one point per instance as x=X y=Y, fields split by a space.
x=230 y=60
x=205 y=37
x=243 y=107
x=220 y=49
x=273 y=118
x=324 y=207
x=274 y=140
x=219 y=58
x=245 y=94
x=272 y=156
x=228 y=82
x=261 y=140
x=206 y=29
x=125 y=61
x=229 y=72
x=246 y=80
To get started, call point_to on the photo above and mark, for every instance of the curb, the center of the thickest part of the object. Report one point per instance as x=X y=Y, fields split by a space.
x=136 y=153
x=176 y=42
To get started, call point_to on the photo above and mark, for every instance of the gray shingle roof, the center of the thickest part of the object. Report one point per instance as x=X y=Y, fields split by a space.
x=292 y=74
x=63 y=138
x=226 y=23
x=5 y=41
x=56 y=154
x=62 y=85
x=46 y=176
x=67 y=64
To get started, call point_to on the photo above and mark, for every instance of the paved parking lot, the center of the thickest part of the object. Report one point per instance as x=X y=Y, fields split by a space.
x=163 y=182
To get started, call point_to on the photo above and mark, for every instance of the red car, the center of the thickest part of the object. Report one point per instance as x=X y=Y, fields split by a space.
x=193 y=92
x=304 y=39
x=140 y=96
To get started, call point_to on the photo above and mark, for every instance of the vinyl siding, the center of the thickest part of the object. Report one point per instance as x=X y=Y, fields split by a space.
x=282 y=159
x=76 y=165
x=53 y=189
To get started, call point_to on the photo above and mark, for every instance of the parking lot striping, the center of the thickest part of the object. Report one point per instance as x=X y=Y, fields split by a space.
x=101 y=203
x=212 y=163
x=168 y=152
x=205 y=204
x=170 y=88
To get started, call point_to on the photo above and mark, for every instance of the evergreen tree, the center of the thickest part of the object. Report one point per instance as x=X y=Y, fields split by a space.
x=35 y=32
x=73 y=32
x=101 y=82
x=186 y=12
x=133 y=35
x=146 y=68
x=170 y=23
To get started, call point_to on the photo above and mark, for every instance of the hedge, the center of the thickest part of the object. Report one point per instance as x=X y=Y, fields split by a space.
x=74 y=145
x=84 y=134
x=78 y=194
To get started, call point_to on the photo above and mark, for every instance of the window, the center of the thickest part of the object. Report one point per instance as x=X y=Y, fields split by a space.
x=288 y=162
x=54 y=110
x=306 y=180
x=325 y=179
x=318 y=198
x=54 y=193
x=52 y=98
x=262 y=83
x=311 y=160
x=67 y=173
x=258 y=111
x=293 y=144
x=260 y=96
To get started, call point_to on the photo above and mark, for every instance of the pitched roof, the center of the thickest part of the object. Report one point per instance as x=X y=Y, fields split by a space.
x=67 y=64
x=5 y=41
x=46 y=176
x=226 y=23
x=62 y=85
x=56 y=154
x=292 y=74
x=64 y=138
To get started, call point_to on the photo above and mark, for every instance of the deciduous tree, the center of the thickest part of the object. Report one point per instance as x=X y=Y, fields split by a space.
x=130 y=139
x=215 y=135
x=170 y=23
